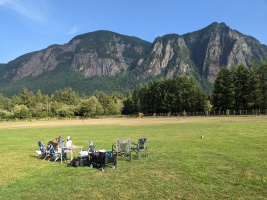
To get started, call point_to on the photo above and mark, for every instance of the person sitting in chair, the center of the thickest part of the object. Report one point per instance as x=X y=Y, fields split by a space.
x=54 y=143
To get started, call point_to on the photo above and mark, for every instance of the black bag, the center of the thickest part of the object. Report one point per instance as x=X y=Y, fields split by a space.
x=84 y=161
x=75 y=162
x=80 y=161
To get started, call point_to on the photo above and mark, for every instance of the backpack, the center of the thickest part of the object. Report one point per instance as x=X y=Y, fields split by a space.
x=80 y=161
x=75 y=162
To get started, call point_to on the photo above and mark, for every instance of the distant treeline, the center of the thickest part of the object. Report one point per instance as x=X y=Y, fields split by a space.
x=236 y=88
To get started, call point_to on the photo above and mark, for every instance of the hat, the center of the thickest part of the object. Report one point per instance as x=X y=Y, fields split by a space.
x=68 y=137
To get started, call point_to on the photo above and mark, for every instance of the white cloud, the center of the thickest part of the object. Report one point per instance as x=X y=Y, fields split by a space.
x=72 y=31
x=29 y=9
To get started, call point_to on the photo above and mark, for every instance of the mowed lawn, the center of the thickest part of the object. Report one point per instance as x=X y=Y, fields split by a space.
x=229 y=162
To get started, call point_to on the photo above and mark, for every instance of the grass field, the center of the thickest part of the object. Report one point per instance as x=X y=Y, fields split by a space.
x=230 y=162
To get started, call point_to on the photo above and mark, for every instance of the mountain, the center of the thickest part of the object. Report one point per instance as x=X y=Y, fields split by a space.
x=108 y=61
x=202 y=52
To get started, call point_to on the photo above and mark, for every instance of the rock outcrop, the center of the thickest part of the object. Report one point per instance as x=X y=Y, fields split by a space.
x=103 y=53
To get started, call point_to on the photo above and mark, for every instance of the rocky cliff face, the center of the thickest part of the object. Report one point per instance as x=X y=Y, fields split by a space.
x=107 y=60
x=203 y=51
x=40 y=62
x=223 y=47
x=104 y=53
x=101 y=53
x=169 y=56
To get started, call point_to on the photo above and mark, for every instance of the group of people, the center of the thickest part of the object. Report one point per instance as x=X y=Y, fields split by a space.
x=56 y=143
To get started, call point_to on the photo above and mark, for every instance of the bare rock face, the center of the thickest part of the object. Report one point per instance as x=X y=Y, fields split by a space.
x=212 y=59
x=104 y=53
x=39 y=63
x=84 y=54
x=217 y=45
x=91 y=64
x=162 y=55
x=204 y=52
x=169 y=55
x=241 y=51
x=236 y=53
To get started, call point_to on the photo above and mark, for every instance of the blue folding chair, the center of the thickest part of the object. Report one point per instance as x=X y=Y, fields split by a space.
x=42 y=150
x=140 y=148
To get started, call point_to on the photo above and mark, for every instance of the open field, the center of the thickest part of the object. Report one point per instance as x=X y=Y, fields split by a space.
x=229 y=162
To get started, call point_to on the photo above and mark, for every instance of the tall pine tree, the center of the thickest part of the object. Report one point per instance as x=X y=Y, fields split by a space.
x=223 y=93
x=262 y=71
x=241 y=85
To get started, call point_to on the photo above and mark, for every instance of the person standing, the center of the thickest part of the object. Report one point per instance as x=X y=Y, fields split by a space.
x=69 y=142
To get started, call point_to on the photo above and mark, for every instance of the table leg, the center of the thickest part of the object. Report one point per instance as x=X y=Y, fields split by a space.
x=61 y=156
x=71 y=154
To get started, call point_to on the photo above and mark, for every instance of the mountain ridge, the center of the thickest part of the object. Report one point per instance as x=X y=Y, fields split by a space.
x=108 y=54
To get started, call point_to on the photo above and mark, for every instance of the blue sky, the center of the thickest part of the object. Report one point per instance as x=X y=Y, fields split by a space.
x=32 y=25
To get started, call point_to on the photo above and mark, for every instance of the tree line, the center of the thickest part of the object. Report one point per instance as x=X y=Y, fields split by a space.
x=240 y=88
x=62 y=103
x=236 y=88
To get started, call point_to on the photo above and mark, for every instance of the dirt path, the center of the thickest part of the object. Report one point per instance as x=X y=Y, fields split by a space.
x=124 y=121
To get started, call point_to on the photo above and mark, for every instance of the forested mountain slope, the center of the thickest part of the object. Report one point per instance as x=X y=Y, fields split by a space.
x=109 y=61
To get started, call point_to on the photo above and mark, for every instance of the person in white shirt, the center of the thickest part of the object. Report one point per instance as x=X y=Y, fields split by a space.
x=69 y=142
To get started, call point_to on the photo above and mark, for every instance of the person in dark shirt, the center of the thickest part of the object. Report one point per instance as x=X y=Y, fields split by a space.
x=54 y=143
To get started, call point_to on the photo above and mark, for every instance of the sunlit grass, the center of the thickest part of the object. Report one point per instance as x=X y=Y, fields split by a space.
x=229 y=162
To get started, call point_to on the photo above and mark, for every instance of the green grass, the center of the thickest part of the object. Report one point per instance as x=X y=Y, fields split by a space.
x=230 y=162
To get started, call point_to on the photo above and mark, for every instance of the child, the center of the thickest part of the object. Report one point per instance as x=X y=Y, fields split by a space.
x=69 y=142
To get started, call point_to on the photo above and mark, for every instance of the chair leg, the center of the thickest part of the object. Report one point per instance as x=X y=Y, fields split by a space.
x=57 y=157
x=139 y=154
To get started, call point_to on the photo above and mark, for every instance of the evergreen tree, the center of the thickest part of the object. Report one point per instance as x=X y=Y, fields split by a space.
x=136 y=98
x=171 y=95
x=15 y=100
x=177 y=91
x=241 y=86
x=140 y=98
x=262 y=73
x=128 y=103
x=253 y=90
x=154 y=98
x=39 y=97
x=223 y=93
x=27 y=98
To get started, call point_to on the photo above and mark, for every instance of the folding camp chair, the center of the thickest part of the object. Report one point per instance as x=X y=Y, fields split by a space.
x=55 y=154
x=49 y=151
x=140 y=148
x=42 y=150
x=123 y=148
